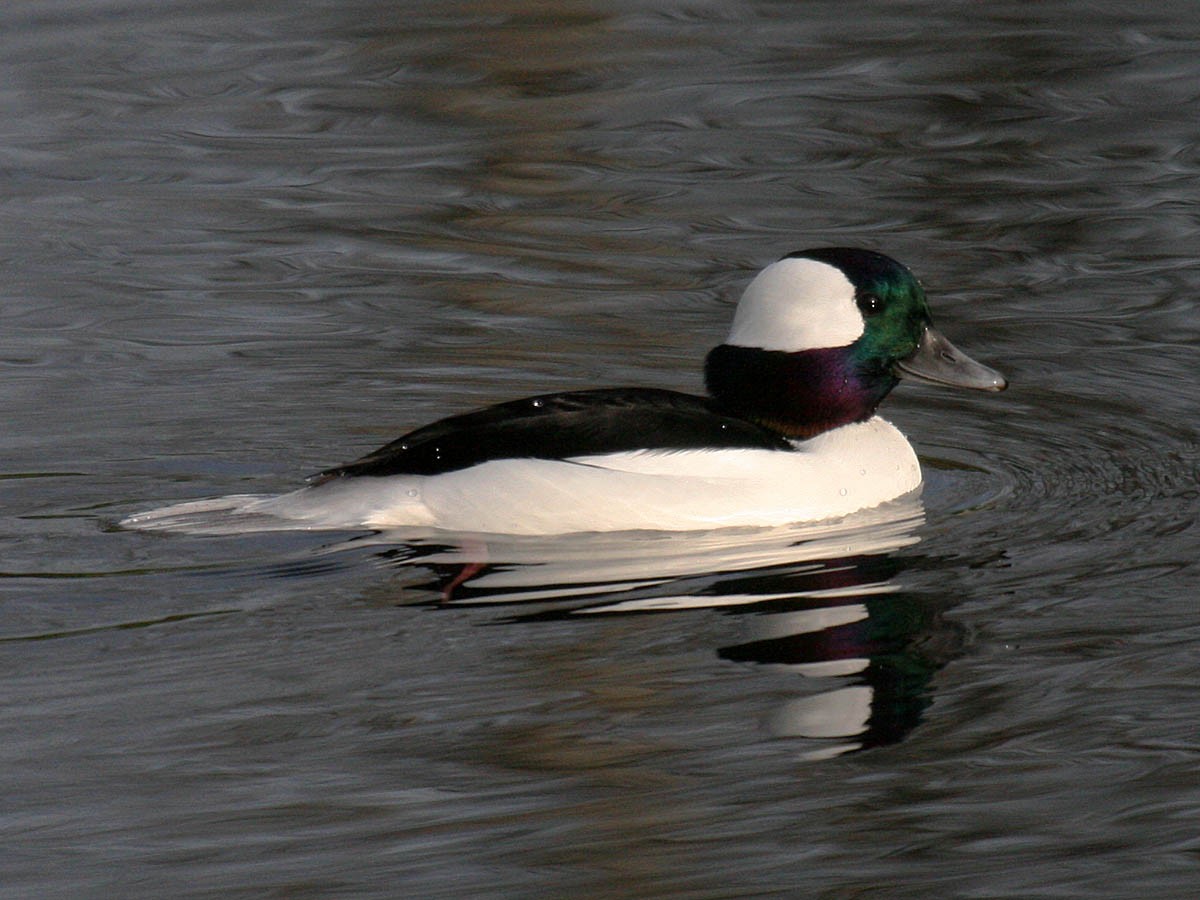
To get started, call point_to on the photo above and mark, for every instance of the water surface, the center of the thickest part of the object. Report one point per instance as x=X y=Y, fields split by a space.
x=241 y=244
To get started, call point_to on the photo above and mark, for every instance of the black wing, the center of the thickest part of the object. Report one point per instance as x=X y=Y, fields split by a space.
x=557 y=426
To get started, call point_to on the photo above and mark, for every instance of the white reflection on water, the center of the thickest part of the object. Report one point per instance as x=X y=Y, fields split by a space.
x=819 y=601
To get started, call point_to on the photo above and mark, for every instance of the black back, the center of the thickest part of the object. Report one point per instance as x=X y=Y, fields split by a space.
x=557 y=426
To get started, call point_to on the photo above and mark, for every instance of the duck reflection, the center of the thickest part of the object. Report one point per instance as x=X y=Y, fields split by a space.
x=818 y=601
x=877 y=652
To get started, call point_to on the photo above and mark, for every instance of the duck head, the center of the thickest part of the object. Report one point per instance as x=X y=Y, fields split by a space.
x=822 y=336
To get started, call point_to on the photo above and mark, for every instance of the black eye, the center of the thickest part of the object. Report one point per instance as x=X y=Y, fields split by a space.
x=870 y=303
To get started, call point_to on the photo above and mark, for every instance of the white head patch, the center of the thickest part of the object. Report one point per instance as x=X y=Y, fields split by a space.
x=797 y=304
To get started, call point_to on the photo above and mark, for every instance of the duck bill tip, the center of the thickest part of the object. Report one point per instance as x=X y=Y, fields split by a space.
x=937 y=361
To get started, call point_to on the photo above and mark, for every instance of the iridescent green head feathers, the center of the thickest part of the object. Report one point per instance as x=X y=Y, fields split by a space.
x=832 y=330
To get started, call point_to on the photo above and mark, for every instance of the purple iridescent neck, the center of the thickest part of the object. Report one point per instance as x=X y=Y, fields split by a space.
x=799 y=395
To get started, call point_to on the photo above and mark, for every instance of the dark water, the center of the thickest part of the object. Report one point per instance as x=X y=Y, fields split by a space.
x=241 y=242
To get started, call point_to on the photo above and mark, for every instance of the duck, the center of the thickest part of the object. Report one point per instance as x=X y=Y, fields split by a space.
x=786 y=433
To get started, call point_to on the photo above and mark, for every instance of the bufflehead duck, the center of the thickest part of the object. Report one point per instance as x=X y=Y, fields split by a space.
x=787 y=433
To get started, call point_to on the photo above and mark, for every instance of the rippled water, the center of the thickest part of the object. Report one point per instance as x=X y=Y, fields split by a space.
x=242 y=242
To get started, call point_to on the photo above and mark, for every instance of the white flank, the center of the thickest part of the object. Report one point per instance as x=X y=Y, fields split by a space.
x=797 y=304
x=832 y=475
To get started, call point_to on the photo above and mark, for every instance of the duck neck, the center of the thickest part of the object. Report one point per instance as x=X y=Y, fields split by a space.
x=798 y=395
